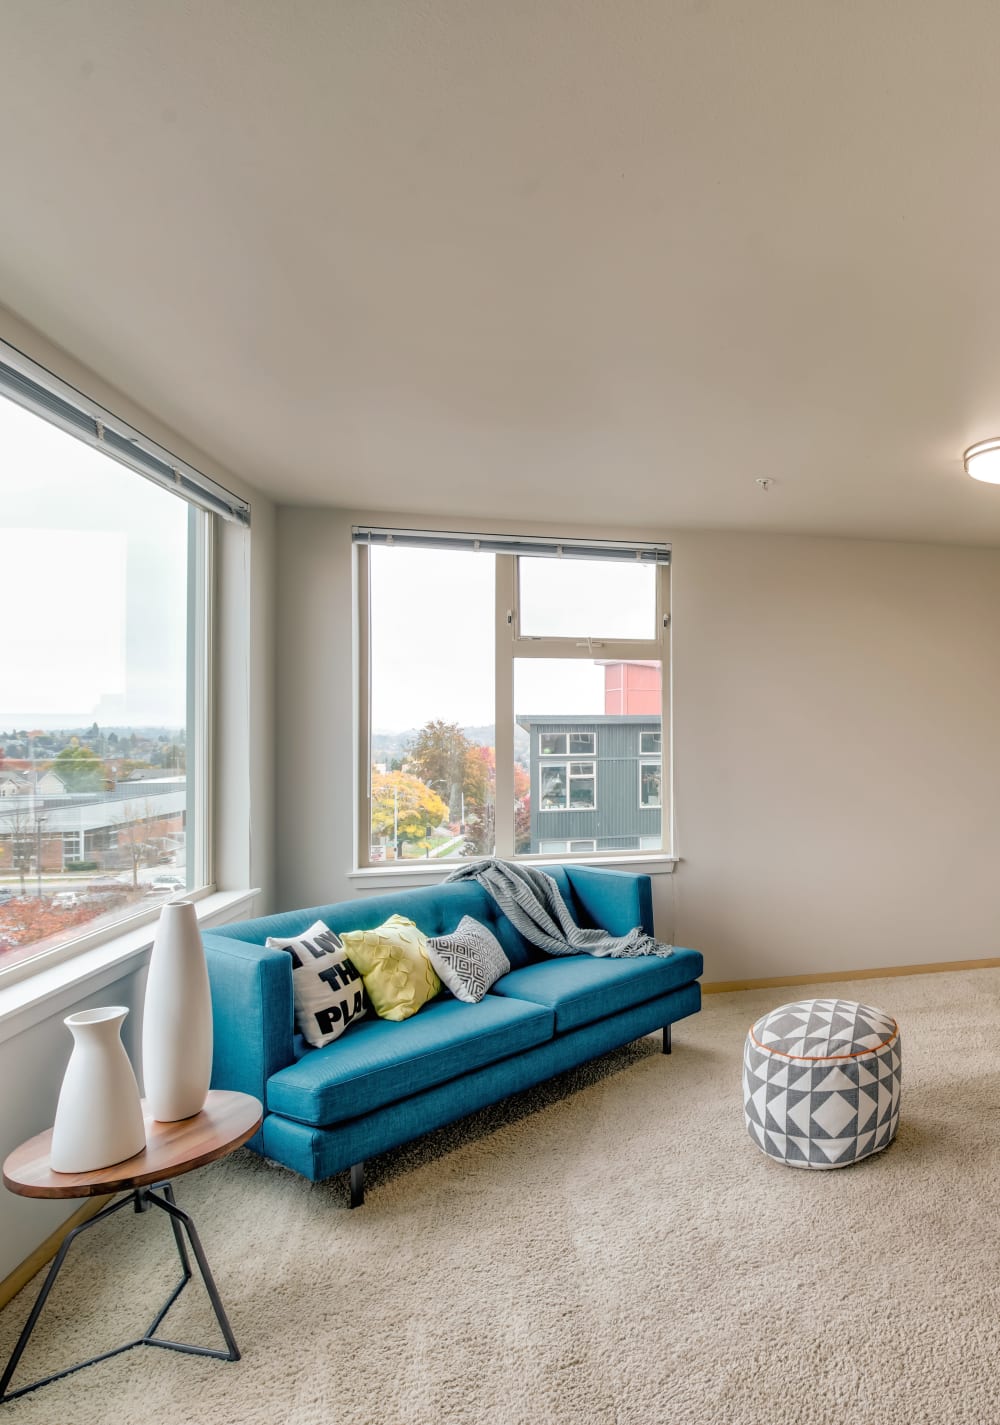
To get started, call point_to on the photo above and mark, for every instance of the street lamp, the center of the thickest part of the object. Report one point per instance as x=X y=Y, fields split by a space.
x=39 y=823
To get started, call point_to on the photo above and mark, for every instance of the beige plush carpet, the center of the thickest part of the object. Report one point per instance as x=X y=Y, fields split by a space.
x=609 y=1249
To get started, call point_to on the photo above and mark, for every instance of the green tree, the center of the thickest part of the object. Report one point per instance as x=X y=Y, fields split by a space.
x=80 y=769
x=438 y=756
x=404 y=807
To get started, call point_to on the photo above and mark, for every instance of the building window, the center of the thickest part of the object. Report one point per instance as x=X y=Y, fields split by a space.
x=103 y=717
x=561 y=744
x=650 y=743
x=568 y=786
x=482 y=717
x=649 y=784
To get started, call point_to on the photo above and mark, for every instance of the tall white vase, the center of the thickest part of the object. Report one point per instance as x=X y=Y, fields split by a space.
x=99 y=1116
x=177 y=1018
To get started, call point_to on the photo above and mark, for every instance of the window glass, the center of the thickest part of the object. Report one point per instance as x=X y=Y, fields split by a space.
x=554 y=792
x=649 y=784
x=605 y=707
x=586 y=598
x=432 y=744
x=582 y=784
x=444 y=666
x=95 y=689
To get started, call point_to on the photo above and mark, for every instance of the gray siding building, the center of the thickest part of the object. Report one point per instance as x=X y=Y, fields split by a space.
x=595 y=783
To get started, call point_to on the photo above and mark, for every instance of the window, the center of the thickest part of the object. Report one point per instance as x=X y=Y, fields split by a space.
x=501 y=682
x=558 y=744
x=649 y=784
x=104 y=581
x=567 y=786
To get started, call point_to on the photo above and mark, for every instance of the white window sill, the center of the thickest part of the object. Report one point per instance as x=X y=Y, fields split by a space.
x=401 y=876
x=60 y=986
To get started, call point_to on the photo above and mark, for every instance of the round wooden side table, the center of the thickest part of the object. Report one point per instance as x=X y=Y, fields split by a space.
x=227 y=1120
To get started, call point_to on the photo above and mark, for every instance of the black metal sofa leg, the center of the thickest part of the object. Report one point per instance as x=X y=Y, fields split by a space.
x=666 y=1039
x=357 y=1184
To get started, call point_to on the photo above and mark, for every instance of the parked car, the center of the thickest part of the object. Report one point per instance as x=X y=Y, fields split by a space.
x=169 y=882
x=66 y=900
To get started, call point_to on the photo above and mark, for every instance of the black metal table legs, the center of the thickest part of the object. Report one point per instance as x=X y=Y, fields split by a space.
x=181 y=1225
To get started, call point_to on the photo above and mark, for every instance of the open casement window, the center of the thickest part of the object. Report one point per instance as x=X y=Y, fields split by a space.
x=512 y=696
x=105 y=582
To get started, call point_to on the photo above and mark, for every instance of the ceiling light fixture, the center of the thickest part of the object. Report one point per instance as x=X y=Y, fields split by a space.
x=982 y=461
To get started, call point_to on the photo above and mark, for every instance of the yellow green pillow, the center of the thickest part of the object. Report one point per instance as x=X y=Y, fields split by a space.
x=393 y=962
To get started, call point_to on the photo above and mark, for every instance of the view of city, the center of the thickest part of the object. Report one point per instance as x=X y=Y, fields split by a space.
x=587 y=781
x=92 y=826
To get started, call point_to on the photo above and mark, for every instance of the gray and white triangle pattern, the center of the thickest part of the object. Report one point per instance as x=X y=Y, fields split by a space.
x=824 y=1028
x=822 y=1110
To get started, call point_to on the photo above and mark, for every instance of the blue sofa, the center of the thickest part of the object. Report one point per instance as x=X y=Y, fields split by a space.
x=381 y=1083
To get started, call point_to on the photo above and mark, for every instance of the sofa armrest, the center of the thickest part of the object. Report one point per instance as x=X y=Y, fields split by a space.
x=253 y=1016
x=617 y=901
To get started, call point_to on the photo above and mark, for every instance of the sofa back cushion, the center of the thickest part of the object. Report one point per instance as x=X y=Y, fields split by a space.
x=435 y=910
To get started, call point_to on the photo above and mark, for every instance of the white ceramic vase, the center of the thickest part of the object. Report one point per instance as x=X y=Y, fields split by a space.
x=99 y=1116
x=177 y=1018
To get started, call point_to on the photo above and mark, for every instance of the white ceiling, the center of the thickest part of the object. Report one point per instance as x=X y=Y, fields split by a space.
x=532 y=258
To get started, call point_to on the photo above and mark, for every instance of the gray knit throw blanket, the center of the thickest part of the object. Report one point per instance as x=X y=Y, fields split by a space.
x=532 y=903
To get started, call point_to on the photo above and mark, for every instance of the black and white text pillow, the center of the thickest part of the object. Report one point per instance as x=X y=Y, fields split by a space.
x=468 y=960
x=329 y=992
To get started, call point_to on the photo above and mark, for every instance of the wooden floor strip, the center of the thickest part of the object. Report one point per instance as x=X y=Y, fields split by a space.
x=720 y=987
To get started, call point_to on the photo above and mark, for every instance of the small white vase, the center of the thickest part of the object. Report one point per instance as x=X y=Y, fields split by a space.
x=177 y=1018
x=99 y=1116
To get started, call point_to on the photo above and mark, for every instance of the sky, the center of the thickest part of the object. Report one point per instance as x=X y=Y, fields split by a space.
x=432 y=617
x=93 y=585
x=93 y=594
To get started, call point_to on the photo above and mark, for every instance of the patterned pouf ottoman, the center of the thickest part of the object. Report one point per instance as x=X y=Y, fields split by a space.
x=821 y=1082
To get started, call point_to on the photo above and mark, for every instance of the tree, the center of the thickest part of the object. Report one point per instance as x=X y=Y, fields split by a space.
x=24 y=832
x=438 y=756
x=522 y=809
x=480 y=800
x=80 y=770
x=132 y=843
x=404 y=807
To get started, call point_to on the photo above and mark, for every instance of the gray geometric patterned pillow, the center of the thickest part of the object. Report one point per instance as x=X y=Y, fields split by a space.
x=468 y=960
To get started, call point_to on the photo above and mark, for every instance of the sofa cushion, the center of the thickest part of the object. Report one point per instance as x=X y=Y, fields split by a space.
x=582 y=988
x=377 y=1062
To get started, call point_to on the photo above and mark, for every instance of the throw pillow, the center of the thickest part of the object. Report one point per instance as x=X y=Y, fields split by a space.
x=329 y=993
x=393 y=962
x=468 y=960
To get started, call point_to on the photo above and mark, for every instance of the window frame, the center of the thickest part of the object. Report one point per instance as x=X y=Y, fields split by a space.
x=509 y=646
x=204 y=512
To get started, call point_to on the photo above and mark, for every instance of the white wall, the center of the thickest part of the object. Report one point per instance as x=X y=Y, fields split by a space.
x=835 y=713
x=837 y=778
x=32 y=1062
